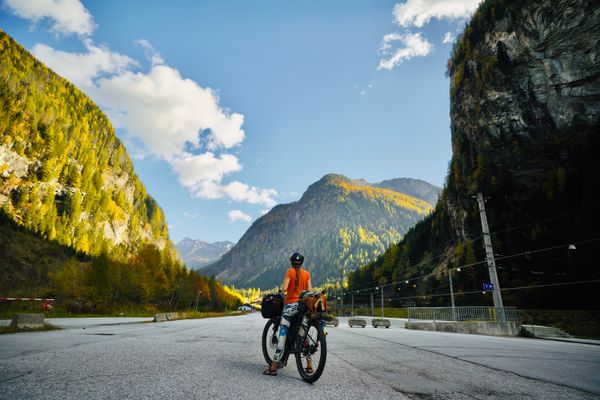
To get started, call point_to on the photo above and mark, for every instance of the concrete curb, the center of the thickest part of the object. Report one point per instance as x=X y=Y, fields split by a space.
x=509 y=328
x=591 y=342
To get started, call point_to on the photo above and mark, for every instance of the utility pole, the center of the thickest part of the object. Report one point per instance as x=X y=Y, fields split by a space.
x=489 y=255
x=372 y=306
x=382 y=303
x=353 y=304
x=452 y=294
x=342 y=310
x=198 y=298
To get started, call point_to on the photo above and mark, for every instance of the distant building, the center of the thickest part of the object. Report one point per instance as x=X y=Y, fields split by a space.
x=247 y=307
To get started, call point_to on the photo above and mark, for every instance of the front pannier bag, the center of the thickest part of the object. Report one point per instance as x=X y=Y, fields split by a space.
x=272 y=305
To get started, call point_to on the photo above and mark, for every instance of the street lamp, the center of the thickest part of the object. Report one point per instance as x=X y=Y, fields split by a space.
x=452 y=294
x=198 y=298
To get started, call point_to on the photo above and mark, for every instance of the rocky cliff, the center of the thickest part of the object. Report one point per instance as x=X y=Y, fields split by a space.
x=525 y=122
x=525 y=104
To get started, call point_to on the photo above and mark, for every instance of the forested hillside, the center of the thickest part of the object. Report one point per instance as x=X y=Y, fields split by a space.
x=525 y=112
x=65 y=175
x=88 y=231
x=338 y=224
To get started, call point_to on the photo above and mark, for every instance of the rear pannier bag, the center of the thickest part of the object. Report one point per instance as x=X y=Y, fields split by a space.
x=272 y=305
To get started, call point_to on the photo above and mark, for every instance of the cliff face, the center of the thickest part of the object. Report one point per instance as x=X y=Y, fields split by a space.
x=525 y=104
x=525 y=122
x=63 y=172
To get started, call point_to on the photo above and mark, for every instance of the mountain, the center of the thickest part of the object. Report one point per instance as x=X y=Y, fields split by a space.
x=338 y=223
x=76 y=222
x=198 y=254
x=525 y=123
x=412 y=187
x=65 y=175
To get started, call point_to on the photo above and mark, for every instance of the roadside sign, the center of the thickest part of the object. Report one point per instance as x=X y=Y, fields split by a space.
x=488 y=286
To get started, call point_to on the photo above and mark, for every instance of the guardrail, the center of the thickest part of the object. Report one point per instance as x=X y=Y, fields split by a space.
x=468 y=313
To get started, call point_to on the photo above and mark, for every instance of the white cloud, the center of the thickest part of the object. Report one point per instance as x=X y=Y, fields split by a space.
x=165 y=116
x=168 y=112
x=237 y=215
x=242 y=192
x=202 y=173
x=420 y=12
x=448 y=38
x=190 y=215
x=412 y=45
x=151 y=52
x=82 y=68
x=67 y=16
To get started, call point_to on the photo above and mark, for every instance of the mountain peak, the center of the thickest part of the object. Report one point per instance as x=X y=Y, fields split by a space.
x=338 y=223
x=197 y=253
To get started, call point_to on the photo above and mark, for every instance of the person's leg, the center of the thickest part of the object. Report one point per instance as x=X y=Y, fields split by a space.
x=289 y=311
x=309 y=365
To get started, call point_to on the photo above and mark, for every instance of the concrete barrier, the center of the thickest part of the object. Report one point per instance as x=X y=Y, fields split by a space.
x=21 y=321
x=509 y=328
x=332 y=322
x=380 y=322
x=357 y=321
x=170 y=316
x=162 y=317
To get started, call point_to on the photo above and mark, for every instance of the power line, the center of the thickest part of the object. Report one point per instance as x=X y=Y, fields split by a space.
x=502 y=289
x=547 y=248
x=477 y=263
x=546 y=219
x=574 y=212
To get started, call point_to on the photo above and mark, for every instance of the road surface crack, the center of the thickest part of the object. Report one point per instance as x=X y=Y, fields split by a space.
x=479 y=364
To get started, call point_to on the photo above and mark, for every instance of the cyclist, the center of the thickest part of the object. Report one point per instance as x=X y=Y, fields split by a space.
x=296 y=280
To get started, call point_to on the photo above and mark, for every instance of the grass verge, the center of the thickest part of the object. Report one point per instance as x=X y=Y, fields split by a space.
x=46 y=327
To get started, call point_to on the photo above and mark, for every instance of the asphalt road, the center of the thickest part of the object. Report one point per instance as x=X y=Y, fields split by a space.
x=221 y=358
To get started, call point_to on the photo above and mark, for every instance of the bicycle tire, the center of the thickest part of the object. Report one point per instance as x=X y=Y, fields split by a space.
x=322 y=342
x=269 y=348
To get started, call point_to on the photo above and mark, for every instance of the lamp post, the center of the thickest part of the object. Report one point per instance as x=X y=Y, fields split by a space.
x=342 y=304
x=198 y=298
x=382 y=315
x=452 y=294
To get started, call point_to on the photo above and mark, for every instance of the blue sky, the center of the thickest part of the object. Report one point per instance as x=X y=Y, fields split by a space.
x=228 y=108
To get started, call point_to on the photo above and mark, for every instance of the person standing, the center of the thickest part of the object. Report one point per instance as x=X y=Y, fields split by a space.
x=296 y=280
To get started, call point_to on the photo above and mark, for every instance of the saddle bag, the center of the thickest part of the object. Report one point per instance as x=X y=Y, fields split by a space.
x=272 y=305
x=313 y=302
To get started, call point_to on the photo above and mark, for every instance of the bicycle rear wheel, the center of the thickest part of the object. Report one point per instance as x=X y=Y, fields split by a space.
x=270 y=337
x=312 y=346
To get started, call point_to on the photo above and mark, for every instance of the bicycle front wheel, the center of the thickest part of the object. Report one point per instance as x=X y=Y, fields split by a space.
x=270 y=337
x=312 y=353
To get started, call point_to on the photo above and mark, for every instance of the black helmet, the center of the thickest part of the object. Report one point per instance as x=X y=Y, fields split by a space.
x=297 y=259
